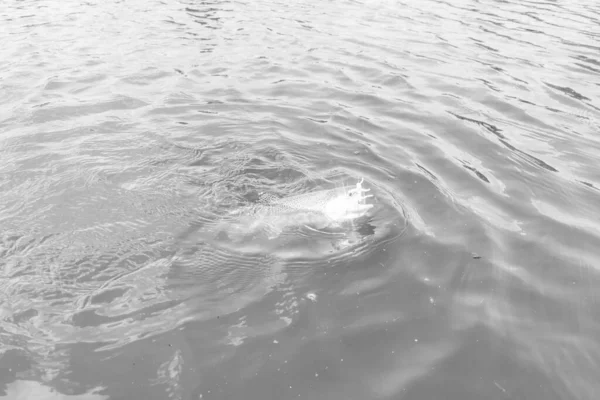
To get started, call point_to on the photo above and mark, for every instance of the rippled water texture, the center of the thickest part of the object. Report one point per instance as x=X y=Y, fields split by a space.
x=129 y=128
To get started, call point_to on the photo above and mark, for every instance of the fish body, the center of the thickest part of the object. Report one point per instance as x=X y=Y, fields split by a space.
x=319 y=209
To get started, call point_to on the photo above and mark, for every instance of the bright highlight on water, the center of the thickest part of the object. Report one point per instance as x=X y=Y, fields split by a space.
x=319 y=209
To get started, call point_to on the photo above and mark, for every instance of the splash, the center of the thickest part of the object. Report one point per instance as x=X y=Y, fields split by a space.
x=319 y=209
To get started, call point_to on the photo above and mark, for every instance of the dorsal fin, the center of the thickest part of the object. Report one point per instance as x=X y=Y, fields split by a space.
x=267 y=197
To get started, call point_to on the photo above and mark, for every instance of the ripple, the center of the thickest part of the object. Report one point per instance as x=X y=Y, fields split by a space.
x=131 y=129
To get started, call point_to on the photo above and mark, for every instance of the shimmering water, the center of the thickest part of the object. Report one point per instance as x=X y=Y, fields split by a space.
x=127 y=127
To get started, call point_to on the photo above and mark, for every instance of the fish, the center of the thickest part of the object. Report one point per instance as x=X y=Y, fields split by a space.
x=318 y=209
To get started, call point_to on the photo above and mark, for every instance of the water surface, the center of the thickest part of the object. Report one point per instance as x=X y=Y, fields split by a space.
x=127 y=127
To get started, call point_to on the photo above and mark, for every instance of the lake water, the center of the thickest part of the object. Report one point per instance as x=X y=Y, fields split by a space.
x=129 y=127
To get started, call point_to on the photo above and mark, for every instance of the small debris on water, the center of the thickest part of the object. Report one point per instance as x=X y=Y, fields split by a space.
x=499 y=387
